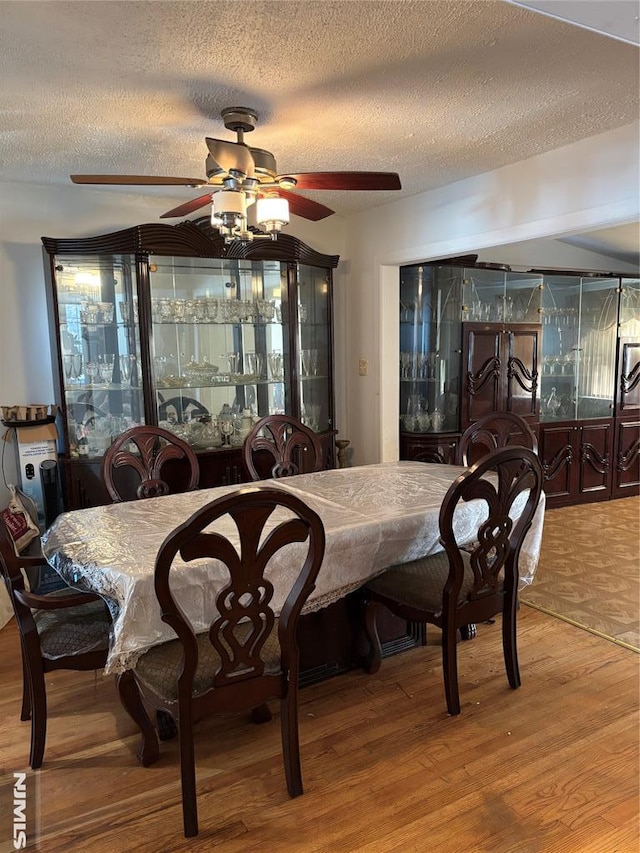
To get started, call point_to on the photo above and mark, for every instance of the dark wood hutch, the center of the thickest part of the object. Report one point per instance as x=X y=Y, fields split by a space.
x=560 y=348
x=167 y=324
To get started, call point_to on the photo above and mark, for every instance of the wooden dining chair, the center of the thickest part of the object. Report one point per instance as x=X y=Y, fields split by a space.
x=145 y=451
x=247 y=655
x=65 y=629
x=456 y=587
x=280 y=446
x=492 y=431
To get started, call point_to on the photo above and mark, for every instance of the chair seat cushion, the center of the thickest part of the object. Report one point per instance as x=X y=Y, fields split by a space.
x=160 y=666
x=419 y=583
x=73 y=630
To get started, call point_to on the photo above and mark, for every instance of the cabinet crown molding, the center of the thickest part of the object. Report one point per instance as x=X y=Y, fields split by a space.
x=192 y=237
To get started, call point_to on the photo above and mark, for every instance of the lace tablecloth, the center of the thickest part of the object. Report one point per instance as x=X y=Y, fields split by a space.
x=373 y=515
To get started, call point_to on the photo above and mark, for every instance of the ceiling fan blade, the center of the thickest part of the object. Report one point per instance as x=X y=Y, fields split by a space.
x=305 y=207
x=188 y=206
x=231 y=155
x=146 y=180
x=346 y=180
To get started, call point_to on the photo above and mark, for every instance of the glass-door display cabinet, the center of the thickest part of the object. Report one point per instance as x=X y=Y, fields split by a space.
x=167 y=325
x=559 y=348
x=469 y=344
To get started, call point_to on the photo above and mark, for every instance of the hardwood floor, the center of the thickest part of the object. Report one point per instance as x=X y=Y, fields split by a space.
x=549 y=768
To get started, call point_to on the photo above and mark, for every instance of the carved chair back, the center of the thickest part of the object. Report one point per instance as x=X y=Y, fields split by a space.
x=146 y=450
x=281 y=446
x=493 y=557
x=492 y=431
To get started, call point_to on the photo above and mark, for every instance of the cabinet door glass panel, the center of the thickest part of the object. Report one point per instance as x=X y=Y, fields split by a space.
x=99 y=349
x=493 y=296
x=597 y=348
x=430 y=338
x=560 y=324
x=314 y=348
x=218 y=338
x=579 y=344
x=630 y=308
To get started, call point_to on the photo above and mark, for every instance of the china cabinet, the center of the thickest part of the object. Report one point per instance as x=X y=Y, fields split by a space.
x=469 y=345
x=168 y=325
x=559 y=348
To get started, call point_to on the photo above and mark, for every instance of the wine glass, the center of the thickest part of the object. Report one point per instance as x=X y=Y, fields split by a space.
x=275 y=366
x=67 y=363
x=160 y=362
x=106 y=368
x=125 y=369
x=309 y=359
x=91 y=370
x=76 y=360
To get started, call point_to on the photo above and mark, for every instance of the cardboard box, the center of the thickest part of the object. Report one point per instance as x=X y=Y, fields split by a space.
x=34 y=445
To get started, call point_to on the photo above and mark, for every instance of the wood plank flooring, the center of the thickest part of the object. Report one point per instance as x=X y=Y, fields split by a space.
x=549 y=768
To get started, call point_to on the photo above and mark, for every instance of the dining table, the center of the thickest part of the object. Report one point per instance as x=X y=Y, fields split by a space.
x=374 y=516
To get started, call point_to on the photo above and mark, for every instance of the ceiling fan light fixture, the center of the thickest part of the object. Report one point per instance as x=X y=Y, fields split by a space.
x=230 y=203
x=286 y=182
x=229 y=213
x=272 y=212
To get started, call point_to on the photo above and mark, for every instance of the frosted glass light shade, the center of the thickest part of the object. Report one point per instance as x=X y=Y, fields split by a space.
x=272 y=210
x=229 y=202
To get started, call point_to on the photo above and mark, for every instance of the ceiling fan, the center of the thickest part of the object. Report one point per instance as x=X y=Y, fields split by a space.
x=239 y=175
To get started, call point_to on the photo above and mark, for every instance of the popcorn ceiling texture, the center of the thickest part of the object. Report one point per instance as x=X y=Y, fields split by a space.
x=436 y=91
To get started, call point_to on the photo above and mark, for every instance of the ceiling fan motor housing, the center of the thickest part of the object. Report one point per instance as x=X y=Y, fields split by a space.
x=239 y=119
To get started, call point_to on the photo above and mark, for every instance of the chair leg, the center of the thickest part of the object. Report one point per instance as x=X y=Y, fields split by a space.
x=132 y=703
x=25 y=712
x=188 y=776
x=261 y=714
x=38 y=704
x=510 y=645
x=167 y=728
x=450 y=669
x=290 y=741
x=468 y=632
x=372 y=662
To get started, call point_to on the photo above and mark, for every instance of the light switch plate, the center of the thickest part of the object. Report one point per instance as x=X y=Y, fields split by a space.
x=363 y=367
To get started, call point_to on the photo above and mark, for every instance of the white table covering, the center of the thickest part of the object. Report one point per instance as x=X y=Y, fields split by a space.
x=373 y=515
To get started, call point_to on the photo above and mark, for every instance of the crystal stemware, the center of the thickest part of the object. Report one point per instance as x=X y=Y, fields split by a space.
x=125 y=369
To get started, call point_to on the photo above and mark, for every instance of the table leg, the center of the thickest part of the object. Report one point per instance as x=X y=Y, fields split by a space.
x=132 y=703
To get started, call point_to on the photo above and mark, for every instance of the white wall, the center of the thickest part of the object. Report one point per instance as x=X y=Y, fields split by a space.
x=593 y=183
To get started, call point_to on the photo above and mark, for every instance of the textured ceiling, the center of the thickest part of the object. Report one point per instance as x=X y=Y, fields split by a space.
x=436 y=91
